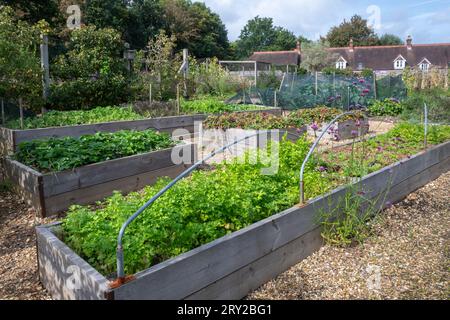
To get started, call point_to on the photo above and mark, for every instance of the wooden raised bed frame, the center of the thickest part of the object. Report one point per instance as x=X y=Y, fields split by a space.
x=11 y=138
x=232 y=266
x=52 y=193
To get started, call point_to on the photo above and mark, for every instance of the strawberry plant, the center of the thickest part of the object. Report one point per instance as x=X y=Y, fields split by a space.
x=58 y=154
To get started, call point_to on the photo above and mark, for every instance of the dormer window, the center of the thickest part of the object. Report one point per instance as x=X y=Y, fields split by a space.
x=424 y=65
x=399 y=63
x=341 y=63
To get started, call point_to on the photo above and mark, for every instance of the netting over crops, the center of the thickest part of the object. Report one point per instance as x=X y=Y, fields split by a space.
x=307 y=91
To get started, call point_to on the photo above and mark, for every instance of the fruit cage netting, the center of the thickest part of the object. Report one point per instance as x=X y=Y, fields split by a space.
x=310 y=90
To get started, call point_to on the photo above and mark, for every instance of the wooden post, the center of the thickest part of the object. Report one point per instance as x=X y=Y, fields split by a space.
x=178 y=99
x=275 y=100
x=45 y=66
x=3 y=112
x=375 y=84
x=21 y=113
x=150 y=94
x=316 y=84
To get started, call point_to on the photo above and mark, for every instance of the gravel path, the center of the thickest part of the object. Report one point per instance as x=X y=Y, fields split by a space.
x=18 y=264
x=407 y=257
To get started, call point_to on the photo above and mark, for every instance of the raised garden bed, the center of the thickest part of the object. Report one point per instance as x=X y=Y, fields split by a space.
x=54 y=192
x=11 y=138
x=234 y=265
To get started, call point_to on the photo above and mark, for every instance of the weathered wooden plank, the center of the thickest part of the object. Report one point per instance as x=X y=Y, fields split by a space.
x=245 y=280
x=26 y=182
x=65 y=275
x=90 y=175
x=185 y=274
x=6 y=141
x=82 y=196
x=164 y=124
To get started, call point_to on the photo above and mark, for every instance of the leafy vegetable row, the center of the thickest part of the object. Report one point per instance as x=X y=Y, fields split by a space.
x=58 y=154
x=257 y=121
x=77 y=117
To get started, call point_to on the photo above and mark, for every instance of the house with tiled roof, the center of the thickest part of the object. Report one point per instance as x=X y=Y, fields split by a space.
x=381 y=59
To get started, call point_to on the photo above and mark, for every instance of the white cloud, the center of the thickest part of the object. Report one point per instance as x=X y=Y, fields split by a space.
x=305 y=17
x=313 y=18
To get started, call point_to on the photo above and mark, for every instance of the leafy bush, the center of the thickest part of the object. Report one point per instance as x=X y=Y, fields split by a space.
x=58 y=154
x=197 y=210
x=387 y=107
x=437 y=100
x=69 y=118
x=92 y=72
x=20 y=70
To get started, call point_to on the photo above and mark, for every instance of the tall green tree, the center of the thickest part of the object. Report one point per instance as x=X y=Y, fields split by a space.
x=107 y=14
x=356 y=29
x=315 y=56
x=260 y=34
x=146 y=20
x=20 y=70
x=389 y=40
x=213 y=36
x=196 y=28
x=35 y=10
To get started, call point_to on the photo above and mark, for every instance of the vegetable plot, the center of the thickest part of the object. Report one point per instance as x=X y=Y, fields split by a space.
x=78 y=117
x=211 y=204
x=58 y=154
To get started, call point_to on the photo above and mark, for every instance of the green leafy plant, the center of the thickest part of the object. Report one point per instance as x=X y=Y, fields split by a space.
x=387 y=107
x=212 y=105
x=78 y=117
x=248 y=120
x=58 y=154
x=91 y=72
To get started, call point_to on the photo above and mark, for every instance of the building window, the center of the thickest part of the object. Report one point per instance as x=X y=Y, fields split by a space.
x=399 y=63
x=341 y=64
x=424 y=66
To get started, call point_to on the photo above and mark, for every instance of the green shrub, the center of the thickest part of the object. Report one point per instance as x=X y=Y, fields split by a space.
x=69 y=118
x=91 y=72
x=58 y=154
x=437 y=100
x=387 y=107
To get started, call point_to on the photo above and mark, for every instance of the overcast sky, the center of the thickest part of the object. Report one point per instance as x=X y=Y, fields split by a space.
x=428 y=21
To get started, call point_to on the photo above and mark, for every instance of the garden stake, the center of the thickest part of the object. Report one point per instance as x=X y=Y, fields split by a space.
x=425 y=124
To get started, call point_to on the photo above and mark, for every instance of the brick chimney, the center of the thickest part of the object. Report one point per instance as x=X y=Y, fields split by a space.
x=409 y=42
x=299 y=46
x=350 y=45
